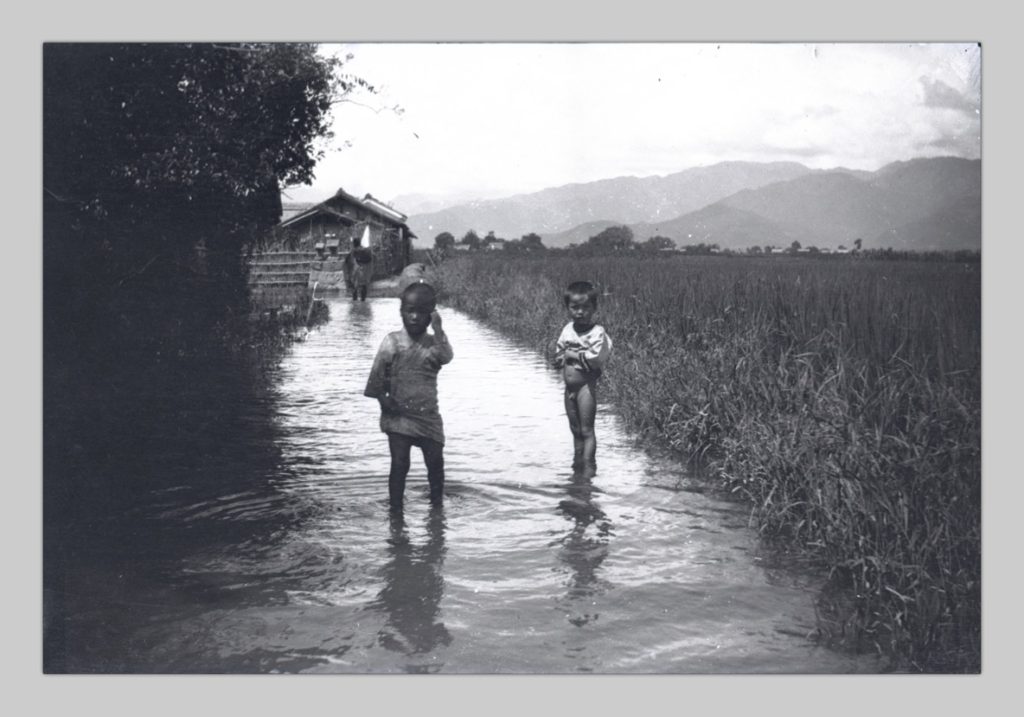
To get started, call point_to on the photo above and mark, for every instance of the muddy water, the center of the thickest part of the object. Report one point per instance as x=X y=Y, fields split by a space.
x=268 y=548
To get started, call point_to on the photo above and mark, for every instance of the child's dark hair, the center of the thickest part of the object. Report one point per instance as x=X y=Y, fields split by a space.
x=420 y=291
x=581 y=288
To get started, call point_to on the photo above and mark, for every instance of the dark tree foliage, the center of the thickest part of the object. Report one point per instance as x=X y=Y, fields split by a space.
x=444 y=241
x=532 y=242
x=612 y=239
x=701 y=248
x=193 y=140
x=163 y=162
x=658 y=243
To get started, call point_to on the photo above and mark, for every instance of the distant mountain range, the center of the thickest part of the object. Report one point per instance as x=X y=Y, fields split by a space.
x=920 y=204
x=419 y=203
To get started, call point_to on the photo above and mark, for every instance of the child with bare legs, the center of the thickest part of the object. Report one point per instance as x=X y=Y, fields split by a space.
x=404 y=381
x=581 y=352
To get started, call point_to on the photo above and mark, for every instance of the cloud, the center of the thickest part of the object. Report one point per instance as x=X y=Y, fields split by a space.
x=819 y=111
x=795 y=150
x=960 y=145
x=485 y=117
x=938 y=94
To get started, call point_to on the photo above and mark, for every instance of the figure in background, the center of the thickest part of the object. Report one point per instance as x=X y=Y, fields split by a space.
x=361 y=268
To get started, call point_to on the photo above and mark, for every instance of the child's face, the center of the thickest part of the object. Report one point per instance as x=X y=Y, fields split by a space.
x=416 y=313
x=581 y=309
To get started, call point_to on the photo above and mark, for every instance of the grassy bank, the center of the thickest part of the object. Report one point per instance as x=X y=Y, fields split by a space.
x=841 y=399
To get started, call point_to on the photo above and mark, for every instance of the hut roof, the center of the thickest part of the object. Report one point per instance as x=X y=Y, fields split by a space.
x=332 y=207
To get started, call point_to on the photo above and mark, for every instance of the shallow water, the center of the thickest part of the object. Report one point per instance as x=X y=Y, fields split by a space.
x=257 y=536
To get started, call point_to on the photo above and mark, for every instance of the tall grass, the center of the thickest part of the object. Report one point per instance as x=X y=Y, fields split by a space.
x=841 y=399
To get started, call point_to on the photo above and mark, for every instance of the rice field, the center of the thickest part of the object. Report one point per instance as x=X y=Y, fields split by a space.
x=840 y=399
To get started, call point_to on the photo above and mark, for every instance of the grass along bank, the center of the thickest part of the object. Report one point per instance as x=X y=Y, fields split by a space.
x=841 y=399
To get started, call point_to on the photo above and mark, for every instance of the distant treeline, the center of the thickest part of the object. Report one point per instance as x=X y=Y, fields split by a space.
x=619 y=240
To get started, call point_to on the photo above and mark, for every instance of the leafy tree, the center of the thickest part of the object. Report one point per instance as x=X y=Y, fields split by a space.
x=150 y=150
x=794 y=247
x=657 y=243
x=754 y=250
x=471 y=239
x=857 y=243
x=205 y=133
x=612 y=239
x=149 y=153
x=701 y=248
x=532 y=242
x=444 y=241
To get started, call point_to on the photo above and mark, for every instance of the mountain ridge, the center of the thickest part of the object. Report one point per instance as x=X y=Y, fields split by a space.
x=624 y=199
x=918 y=203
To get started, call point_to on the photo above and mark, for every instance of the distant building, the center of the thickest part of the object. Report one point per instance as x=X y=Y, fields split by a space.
x=329 y=227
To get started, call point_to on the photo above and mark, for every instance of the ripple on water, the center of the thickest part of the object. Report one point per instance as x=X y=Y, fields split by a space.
x=524 y=570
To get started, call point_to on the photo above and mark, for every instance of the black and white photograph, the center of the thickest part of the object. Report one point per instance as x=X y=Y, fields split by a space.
x=512 y=358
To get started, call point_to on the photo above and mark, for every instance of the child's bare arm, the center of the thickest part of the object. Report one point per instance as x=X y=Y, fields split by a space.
x=378 y=385
x=571 y=355
x=594 y=356
x=560 y=347
x=446 y=354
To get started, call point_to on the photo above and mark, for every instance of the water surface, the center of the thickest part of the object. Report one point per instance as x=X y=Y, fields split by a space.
x=256 y=538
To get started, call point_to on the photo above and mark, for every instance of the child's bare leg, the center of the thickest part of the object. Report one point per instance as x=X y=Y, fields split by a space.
x=397 y=525
x=586 y=402
x=400 y=446
x=573 y=414
x=433 y=457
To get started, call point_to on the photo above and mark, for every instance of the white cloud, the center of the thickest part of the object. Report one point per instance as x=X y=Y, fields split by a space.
x=493 y=118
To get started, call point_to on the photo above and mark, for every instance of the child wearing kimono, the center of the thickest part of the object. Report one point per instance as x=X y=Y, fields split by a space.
x=404 y=381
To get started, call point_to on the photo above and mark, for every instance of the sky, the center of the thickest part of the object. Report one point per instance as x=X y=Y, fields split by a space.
x=480 y=120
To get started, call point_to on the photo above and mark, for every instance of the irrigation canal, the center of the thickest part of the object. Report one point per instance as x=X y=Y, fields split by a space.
x=257 y=536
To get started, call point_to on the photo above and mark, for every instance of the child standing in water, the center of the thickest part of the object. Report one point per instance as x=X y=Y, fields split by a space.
x=582 y=351
x=404 y=380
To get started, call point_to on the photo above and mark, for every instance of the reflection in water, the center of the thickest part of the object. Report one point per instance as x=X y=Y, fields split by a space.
x=360 y=317
x=166 y=459
x=228 y=515
x=413 y=588
x=585 y=546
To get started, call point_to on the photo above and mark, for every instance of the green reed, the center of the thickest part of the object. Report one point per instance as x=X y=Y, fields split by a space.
x=841 y=399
